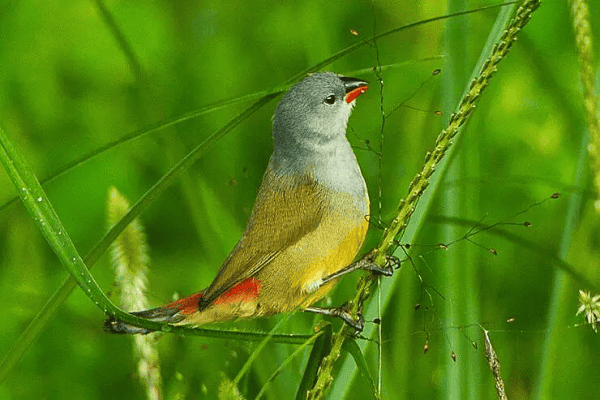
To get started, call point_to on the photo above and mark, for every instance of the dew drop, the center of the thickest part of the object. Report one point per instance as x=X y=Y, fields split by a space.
x=39 y=199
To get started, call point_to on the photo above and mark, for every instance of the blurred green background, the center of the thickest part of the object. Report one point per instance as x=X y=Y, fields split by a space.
x=69 y=85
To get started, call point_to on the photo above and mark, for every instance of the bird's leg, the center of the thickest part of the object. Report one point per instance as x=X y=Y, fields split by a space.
x=340 y=312
x=367 y=264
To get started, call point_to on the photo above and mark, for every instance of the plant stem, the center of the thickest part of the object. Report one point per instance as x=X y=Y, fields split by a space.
x=420 y=183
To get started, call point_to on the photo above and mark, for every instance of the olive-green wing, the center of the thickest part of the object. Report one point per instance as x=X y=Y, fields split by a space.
x=285 y=210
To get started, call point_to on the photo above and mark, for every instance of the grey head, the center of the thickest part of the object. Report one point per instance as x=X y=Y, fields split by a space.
x=313 y=115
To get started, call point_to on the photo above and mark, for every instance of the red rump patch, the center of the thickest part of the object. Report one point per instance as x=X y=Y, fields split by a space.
x=246 y=290
x=187 y=305
x=353 y=94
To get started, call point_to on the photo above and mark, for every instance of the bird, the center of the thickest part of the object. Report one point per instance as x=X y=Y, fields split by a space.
x=308 y=223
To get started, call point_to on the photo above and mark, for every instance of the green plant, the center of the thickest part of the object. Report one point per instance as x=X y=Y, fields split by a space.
x=84 y=89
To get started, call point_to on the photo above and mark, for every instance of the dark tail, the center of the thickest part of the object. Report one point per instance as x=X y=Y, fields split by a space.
x=171 y=313
x=160 y=314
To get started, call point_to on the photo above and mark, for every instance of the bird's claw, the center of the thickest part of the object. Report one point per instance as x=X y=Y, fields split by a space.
x=391 y=263
x=342 y=312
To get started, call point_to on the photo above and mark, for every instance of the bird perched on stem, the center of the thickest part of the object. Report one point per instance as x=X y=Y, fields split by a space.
x=308 y=222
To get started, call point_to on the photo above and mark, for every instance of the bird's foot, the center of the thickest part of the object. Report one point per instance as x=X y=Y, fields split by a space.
x=357 y=323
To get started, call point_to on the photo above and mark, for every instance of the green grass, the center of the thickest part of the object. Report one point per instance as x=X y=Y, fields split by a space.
x=74 y=78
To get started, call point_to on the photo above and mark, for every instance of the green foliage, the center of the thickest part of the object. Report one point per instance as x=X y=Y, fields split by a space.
x=74 y=77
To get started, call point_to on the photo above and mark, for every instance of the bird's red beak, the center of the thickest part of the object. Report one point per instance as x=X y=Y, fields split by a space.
x=354 y=88
x=353 y=94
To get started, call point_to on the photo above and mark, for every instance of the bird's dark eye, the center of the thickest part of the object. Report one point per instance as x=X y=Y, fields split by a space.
x=330 y=99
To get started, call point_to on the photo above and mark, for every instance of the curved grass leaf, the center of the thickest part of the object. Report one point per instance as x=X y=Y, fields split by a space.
x=280 y=368
x=320 y=349
x=352 y=347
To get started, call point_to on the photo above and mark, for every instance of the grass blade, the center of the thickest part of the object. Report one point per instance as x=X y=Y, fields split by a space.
x=39 y=207
x=280 y=368
x=363 y=368
x=563 y=287
x=320 y=349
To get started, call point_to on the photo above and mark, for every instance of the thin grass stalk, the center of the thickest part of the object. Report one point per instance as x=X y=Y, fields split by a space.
x=563 y=288
x=389 y=286
x=450 y=282
x=453 y=279
x=281 y=366
x=525 y=244
x=230 y=388
x=117 y=33
x=246 y=368
x=420 y=183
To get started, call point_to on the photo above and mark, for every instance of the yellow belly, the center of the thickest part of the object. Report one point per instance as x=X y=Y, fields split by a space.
x=293 y=279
